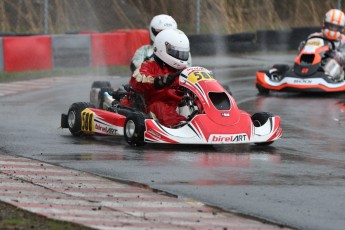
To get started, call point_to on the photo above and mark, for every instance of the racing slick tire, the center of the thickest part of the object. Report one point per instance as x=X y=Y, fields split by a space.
x=227 y=88
x=258 y=120
x=262 y=90
x=101 y=84
x=74 y=117
x=134 y=129
x=281 y=68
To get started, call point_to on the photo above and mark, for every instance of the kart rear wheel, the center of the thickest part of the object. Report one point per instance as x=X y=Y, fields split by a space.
x=134 y=129
x=101 y=84
x=262 y=90
x=74 y=117
x=260 y=119
x=281 y=68
x=227 y=88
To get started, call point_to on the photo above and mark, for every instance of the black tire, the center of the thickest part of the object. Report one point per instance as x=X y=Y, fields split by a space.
x=281 y=68
x=134 y=129
x=264 y=143
x=262 y=90
x=227 y=88
x=101 y=84
x=258 y=120
x=64 y=121
x=74 y=117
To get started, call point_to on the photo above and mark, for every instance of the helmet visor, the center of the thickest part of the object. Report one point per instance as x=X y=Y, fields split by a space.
x=154 y=31
x=333 y=27
x=177 y=52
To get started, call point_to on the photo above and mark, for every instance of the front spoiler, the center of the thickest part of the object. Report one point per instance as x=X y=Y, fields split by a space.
x=202 y=130
x=288 y=83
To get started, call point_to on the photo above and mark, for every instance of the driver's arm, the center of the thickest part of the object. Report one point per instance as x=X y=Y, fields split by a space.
x=143 y=78
x=140 y=56
x=340 y=54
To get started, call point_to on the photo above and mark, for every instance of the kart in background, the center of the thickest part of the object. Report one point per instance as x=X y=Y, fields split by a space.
x=212 y=115
x=312 y=71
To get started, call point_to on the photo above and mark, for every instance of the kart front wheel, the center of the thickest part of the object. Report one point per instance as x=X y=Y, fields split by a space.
x=262 y=90
x=134 y=129
x=74 y=117
x=281 y=68
x=264 y=143
x=260 y=119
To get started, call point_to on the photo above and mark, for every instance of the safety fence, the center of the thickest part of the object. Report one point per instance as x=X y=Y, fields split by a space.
x=261 y=40
x=93 y=49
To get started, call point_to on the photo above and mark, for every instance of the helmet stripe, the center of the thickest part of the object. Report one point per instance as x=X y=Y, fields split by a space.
x=333 y=16
x=339 y=18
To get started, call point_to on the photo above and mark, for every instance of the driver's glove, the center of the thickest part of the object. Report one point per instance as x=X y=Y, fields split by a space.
x=158 y=82
x=168 y=79
x=331 y=53
x=161 y=81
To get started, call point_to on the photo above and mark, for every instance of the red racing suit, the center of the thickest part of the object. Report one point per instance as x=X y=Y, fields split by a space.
x=157 y=101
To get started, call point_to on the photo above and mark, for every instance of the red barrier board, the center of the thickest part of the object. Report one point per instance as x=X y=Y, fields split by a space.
x=27 y=53
x=136 y=39
x=109 y=49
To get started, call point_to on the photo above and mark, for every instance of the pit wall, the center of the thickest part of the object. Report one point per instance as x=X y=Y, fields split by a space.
x=92 y=49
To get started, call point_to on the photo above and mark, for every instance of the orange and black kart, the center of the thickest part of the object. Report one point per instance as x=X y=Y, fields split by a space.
x=307 y=74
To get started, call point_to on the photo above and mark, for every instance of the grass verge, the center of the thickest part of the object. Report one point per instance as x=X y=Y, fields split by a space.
x=13 y=218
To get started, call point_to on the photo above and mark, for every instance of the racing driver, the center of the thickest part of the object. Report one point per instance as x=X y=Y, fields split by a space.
x=332 y=29
x=155 y=77
x=157 y=24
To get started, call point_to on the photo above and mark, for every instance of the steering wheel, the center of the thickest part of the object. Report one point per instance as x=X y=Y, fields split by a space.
x=175 y=93
x=332 y=47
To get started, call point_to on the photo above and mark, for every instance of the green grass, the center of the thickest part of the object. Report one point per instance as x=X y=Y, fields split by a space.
x=12 y=218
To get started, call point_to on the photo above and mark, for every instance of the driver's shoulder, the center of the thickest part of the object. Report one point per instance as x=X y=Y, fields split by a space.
x=315 y=34
x=342 y=38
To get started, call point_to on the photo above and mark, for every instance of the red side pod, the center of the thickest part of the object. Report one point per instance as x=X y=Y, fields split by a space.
x=109 y=117
x=154 y=133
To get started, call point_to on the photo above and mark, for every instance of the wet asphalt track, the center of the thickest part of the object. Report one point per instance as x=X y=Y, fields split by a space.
x=298 y=181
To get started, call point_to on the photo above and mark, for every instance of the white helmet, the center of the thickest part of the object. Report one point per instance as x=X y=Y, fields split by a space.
x=159 y=23
x=172 y=47
x=333 y=24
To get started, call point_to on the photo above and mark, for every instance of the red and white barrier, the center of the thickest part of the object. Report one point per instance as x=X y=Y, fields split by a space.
x=39 y=52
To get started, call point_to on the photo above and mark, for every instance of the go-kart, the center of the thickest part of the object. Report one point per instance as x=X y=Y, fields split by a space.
x=314 y=71
x=211 y=112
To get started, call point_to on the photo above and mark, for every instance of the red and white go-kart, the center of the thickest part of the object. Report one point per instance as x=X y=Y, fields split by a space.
x=212 y=115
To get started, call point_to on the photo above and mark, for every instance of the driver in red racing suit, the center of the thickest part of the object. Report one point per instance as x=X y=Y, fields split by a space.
x=332 y=29
x=155 y=78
